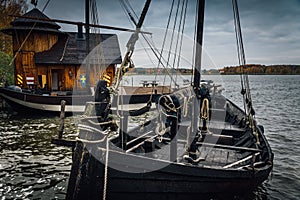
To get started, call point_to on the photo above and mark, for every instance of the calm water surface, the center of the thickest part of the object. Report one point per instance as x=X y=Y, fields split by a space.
x=32 y=168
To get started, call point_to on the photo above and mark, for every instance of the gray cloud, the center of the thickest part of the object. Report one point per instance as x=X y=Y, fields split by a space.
x=271 y=28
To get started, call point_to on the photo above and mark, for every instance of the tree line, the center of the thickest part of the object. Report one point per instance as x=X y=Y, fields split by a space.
x=256 y=69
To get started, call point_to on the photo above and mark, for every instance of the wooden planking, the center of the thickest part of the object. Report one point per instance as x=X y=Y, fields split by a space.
x=236 y=148
x=19 y=71
x=52 y=39
x=40 y=43
x=36 y=42
x=238 y=162
x=218 y=157
x=28 y=44
x=28 y=64
x=44 y=42
x=69 y=77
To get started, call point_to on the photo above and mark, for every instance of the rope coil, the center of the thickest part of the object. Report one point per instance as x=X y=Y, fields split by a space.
x=205 y=109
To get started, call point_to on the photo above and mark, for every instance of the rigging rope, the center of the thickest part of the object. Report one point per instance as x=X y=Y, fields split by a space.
x=130 y=7
x=165 y=37
x=158 y=54
x=249 y=111
x=242 y=61
x=64 y=51
x=127 y=8
x=181 y=39
x=99 y=65
x=126 y=63
x=238 y=41
x=171 y=41
x=170 y=47
x=127 y=12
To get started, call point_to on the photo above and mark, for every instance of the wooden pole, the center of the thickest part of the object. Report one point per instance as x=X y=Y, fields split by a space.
x=123 y=131
x=80 y=24
x=199 y=43
x=87 y=35
x=197 y=70
x=173 y=145
x=62 y=119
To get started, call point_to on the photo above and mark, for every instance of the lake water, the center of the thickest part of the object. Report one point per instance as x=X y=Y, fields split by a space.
x=32 y=168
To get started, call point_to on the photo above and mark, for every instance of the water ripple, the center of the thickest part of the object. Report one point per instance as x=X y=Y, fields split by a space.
x=32 y=168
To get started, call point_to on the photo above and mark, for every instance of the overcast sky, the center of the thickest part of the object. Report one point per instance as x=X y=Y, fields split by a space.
x=271 y=28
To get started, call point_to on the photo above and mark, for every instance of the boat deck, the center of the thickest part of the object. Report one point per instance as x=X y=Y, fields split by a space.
x=216 y=148
x=212 y=155
x=224 y=145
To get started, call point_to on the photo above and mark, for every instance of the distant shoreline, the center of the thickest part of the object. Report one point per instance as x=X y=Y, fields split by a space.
x=250 y=69
x=258 y=74
x=136 y=74
x=257 y=69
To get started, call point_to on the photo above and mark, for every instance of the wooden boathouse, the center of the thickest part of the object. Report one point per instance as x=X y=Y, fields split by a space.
x=55 y=61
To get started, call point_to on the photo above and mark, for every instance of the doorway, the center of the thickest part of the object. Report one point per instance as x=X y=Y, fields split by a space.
x=57 y=79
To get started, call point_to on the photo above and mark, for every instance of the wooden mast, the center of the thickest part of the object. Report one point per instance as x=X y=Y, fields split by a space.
x=87 y=25
x=199 y=43
x=197 y=68
x=87 y=38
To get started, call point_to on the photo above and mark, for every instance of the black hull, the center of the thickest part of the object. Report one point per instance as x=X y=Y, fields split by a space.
x=24 y=102
x=134 y=176
x=174 y=181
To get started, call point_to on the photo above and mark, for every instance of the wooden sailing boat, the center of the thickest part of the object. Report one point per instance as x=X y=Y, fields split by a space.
x=198 y=144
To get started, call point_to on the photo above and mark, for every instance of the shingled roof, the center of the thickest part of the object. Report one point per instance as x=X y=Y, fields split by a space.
x=34 y=24
x=72 y=50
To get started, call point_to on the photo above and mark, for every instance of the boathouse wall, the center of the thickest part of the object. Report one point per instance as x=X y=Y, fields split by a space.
x=49 y=59
x=25 y=46
x=34 y=41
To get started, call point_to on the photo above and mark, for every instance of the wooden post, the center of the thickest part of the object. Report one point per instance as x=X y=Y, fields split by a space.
x=173 y=146
x=123 y=131
x=59 y=141
x=62 y=119
x=87 y=42
x=204 y=126
x=149 y=145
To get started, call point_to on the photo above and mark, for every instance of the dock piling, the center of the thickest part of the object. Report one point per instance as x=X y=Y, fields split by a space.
x=62 y=119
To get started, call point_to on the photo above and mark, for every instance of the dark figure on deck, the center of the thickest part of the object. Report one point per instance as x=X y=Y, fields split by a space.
x=102 y=96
